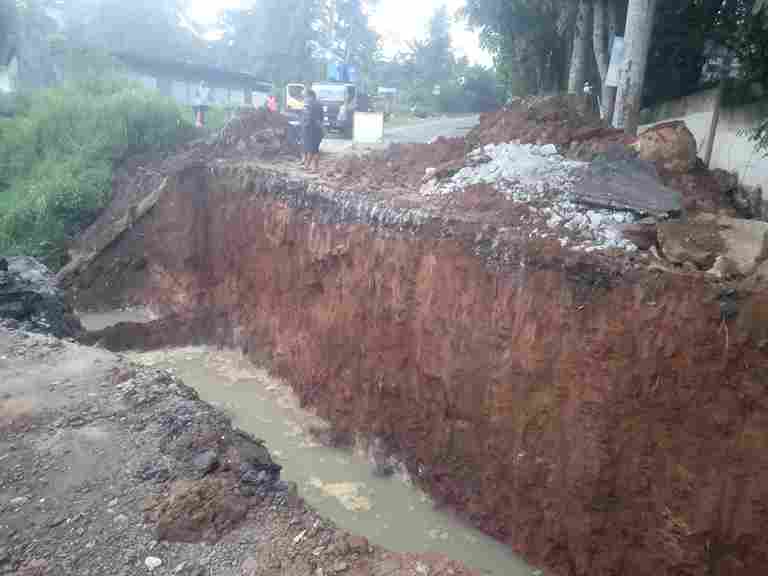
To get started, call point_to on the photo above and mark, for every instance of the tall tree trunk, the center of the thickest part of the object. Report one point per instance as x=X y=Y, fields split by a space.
x=599 y=40
x=612 y=17
x=637 y=40
x=600 y=46
x=578 y=71
x=609 y=92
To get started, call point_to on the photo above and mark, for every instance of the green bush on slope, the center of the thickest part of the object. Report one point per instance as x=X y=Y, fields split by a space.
x=58 y=152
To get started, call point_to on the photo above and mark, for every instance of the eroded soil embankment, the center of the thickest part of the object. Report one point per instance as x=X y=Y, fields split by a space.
x=601 y=417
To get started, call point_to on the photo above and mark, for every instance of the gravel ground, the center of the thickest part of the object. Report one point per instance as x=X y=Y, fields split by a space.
x=110 y=468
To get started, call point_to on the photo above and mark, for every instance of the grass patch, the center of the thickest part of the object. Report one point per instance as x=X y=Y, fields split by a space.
x=58 y=152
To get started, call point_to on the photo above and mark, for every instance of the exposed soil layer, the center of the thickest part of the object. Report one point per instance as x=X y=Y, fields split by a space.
x=112 y=468
x=600 y=416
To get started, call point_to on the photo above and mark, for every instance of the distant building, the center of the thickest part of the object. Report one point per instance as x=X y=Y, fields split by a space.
x=179 y=80
x=175 y=79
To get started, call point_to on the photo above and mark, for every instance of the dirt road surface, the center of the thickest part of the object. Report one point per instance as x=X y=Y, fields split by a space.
x=110 y=468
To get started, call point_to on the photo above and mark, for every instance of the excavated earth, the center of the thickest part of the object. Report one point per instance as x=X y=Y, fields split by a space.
x=113 y=468
x=599 y=413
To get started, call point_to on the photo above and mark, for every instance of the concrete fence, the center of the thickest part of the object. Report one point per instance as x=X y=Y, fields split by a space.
x=732 y=150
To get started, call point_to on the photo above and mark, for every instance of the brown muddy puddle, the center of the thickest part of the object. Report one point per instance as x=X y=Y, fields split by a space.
x=340 y=484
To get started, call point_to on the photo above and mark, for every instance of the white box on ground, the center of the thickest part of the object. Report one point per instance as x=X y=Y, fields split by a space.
x=368 y=127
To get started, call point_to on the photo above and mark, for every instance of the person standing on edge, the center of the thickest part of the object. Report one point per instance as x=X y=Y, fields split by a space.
x=200 y=103
x=312 y=126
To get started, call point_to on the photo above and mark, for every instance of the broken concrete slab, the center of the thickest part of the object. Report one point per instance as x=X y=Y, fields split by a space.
x=726 y=246
x=628 y=184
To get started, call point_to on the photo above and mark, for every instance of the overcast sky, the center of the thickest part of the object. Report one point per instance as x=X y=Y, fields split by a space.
x=398 y=21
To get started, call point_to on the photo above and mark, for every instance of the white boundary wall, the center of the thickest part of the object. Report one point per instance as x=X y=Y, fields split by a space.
x=732 y=151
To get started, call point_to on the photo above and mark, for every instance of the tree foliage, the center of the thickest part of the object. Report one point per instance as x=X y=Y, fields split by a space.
x=149 y=28
x=749 y=42
x=530 y=40
x=432 y=62
x=273 y=38
x=685 y=34
x=355 y=42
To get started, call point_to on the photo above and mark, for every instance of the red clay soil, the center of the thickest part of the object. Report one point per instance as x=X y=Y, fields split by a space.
x=599 y=420
x=400 y=166
x=547 y=120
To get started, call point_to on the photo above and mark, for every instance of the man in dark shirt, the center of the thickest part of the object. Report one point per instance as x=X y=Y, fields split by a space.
x=312 y=125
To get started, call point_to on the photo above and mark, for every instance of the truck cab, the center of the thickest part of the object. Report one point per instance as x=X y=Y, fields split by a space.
x=339 y=100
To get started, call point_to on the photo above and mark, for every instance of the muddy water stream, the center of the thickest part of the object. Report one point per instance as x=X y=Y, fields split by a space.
x=340 y=484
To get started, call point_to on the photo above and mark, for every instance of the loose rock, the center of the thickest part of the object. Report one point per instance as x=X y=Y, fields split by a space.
x=670 y=145
x=206 y=462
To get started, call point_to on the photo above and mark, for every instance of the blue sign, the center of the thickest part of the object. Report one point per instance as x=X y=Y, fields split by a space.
x=334 y=72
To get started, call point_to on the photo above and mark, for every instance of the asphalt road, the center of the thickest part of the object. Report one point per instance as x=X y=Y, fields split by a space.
x=421 y=131
x=428 y=130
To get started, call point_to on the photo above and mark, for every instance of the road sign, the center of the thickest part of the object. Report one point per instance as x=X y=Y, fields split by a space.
x=617 y=60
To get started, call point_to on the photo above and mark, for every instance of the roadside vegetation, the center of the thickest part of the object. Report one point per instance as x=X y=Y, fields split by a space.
x=59 y=151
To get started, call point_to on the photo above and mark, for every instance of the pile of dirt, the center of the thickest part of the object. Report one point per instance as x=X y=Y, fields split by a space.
x=197 y=510
x=29 y=298
x=259 y=133
x=559 y=120
x=400 y=166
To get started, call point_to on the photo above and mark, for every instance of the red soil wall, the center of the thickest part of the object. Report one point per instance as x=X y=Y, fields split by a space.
x=601 y=420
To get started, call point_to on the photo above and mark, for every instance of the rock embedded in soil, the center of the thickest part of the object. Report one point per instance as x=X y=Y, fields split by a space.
x=29 y=296
x=736 y=246
x=670 y=145
x=206 y=462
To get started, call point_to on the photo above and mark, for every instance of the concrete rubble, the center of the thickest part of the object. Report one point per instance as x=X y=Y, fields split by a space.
x=542 y=179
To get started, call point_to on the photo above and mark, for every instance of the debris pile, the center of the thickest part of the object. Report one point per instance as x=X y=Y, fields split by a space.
x=541 y=178
x=29 y=299
x=558 y=120
x=259 y=133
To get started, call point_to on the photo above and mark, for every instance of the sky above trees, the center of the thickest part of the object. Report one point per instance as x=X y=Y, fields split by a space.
x=398 y=21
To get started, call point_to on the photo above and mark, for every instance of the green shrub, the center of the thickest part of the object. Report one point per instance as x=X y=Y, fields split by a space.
x=58 y=152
